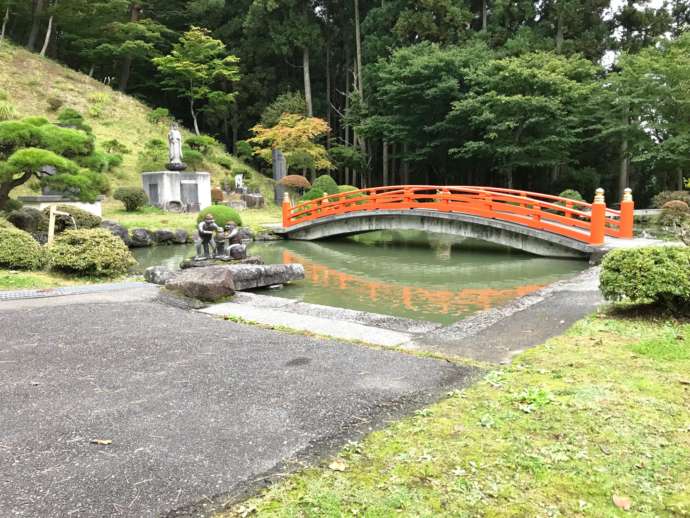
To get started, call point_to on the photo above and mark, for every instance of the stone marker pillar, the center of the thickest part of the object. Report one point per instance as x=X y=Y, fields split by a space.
x=279 y=172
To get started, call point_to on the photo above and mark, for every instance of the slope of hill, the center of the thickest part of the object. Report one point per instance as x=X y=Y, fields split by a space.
x=39 y=86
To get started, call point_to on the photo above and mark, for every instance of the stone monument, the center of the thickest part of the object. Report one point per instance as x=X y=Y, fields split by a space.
x=175 y=189
x=279 y=171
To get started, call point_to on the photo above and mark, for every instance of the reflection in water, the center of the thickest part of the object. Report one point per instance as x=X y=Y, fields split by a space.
x=408 y=274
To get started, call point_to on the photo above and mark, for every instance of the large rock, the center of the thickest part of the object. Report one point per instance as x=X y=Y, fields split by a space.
x=117 y=230
x=163 y=236
x=247 y=276
x=181 y=236
x=140 y=238
x=253 y=201
x=210 y=283
x=28 y=219
x=159 y=274
x=200 y=263
x=237 y=252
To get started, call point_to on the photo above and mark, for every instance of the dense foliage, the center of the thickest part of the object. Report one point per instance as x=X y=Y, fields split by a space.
x=658 y=275
x=19 y=250
x=541 y=95
x=222 y=214
x=89 y=252
x=80 y=217
x=133 y=198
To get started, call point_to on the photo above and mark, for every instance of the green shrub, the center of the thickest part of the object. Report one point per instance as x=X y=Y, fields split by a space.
x=89 y=252
x=82 y=218
x=192 y=158
x=13 y=204
x=347 y=188
x=674 y=214
x=664 y=197
x=222 y=214
x=115 y=146
x=312 y=194
x=98 y=101
x=244 y=149
x=133 y=198
x=19 y=250
x=658 y=275
x=572 y=194
x=326 y=183
x=28 y=219
x=71 y=118
x=202 y=143
x=36 y=121
x=7 y=111
x=158 y=115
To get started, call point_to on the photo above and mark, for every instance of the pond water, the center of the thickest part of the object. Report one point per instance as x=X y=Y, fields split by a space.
x=408 y=274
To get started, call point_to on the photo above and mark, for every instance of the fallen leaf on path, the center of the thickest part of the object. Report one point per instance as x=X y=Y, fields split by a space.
x=338 y=465
x=101 y=442
x=622 y=502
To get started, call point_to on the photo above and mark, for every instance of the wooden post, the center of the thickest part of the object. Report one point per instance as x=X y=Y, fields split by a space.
x=598 y=219
x=287 y=208
x=51 y=224
x=627 y=214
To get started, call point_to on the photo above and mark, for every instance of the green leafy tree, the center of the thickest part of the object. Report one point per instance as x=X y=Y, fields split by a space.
x=196 y=68
x=48 y=153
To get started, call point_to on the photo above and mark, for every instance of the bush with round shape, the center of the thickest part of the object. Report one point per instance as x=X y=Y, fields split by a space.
x=19 y=250
x=28 y=219
x=222 y=214
x=658 y=275
x=326 y=183
x=71 y=118
x=312 y=194
x=664 y=197
x=673 y=214
x=571 y=194
x=133 y=198
x=82 y=218
x=295 y=181
x=94 y=251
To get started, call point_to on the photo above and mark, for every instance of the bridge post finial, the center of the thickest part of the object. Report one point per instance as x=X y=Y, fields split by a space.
x=287 y=209
x=599 y=196
x=627 y=214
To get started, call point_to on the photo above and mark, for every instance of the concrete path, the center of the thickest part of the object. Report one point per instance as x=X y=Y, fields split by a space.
x=198 y=409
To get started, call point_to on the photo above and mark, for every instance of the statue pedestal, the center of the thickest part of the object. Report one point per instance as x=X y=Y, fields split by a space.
x=192 y=191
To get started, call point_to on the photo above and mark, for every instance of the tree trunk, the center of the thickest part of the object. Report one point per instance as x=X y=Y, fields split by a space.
x=49 y=31
x=405 y=175
x=624 y=174
x=484 y=14
x=328 y=96
x=4 y=23
x=126 y=67
x=559 y=33
x=92 y=70
x=307 y=81
x=194 y=116
x=680 y=184
x=6 y=188
x=385 y=164
x=347 y=107
x=358 y=43
x=35 y=24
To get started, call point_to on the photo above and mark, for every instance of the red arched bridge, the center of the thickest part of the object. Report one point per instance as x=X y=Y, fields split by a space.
x=541 y=224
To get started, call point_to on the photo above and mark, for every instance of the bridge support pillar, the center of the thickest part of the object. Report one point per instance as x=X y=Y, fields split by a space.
x=627 y=214
x=598 y=219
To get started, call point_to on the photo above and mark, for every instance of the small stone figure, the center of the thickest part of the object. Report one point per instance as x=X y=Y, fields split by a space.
x=232 y=234
x=239 y=182
x=206 y=229
x=220 y=240
x=175 y=150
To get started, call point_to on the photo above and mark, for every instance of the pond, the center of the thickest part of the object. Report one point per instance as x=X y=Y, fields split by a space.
x=407 y=274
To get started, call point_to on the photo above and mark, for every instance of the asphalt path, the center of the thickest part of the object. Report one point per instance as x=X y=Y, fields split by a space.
x=191 y=411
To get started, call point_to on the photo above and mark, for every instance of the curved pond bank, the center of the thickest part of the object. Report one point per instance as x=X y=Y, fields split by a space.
x=405 y=274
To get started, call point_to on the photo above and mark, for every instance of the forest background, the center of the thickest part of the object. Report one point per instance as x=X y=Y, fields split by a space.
x=544 y=96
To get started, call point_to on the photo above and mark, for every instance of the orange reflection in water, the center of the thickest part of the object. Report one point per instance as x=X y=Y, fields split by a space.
x=412 y=298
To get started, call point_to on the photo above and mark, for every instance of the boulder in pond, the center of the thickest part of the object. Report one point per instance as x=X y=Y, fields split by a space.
x=201 y=262
x=237 y=252
x=140 y=238
x=180 y=237
x=162 y=236
x=210 y=283
x=250 y=276
x=117 y=230
x=158 y=274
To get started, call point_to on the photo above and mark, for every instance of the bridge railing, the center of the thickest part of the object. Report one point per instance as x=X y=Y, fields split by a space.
x=579 y=220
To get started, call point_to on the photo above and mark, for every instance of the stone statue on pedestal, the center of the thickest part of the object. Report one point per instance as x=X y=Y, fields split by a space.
x=175 y=149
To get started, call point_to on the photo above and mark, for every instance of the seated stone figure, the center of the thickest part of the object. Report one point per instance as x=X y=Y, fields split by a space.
x=220 y=239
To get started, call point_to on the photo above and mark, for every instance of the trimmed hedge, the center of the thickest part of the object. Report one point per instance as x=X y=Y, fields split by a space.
x=572 y=194
x=222 y=214
x=89 y=252
x=674 y=214
x=133 y=198
x=326 y=183
x=19 y=250
x=82 y=218
x=664 y=197
x=658 y=275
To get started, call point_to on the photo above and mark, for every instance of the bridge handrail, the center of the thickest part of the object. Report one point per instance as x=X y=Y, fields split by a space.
x=577 y=219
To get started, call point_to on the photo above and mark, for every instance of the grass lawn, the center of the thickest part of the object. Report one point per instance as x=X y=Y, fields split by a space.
x=152 y=218
x=598 y=415
x=20 y=280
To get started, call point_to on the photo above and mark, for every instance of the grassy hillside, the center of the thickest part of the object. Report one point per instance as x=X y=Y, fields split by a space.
x=39 y=86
